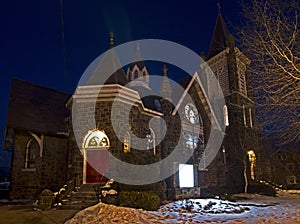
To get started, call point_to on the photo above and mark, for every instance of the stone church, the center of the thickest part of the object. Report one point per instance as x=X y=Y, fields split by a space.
x=46 y=154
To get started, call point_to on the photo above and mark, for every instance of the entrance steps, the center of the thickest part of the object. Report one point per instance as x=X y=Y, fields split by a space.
x=83 y=197
x=278 y=188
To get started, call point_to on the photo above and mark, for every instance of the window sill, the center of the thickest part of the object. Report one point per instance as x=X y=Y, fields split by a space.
x=29 y=169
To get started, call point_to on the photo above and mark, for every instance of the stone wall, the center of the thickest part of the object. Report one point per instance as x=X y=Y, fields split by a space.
x=101 y=111
x=49 y=171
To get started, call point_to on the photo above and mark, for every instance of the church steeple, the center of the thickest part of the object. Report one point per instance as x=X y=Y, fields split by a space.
x=137 y=72
x=221 y=36
x=139 y=61
x=165 y=88
x=109 y=61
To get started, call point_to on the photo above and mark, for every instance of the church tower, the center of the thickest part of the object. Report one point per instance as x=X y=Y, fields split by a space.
x=231 y=68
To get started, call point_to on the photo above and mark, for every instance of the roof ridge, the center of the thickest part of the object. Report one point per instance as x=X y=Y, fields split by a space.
x=39 y=85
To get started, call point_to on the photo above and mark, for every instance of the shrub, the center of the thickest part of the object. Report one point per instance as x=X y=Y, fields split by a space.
x=221 y=192
x=46 y=199
x=259 y=188
x=147 y=200
x=158 y=188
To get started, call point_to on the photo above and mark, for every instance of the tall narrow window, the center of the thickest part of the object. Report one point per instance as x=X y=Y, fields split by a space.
x=250 y=118
x=225 y=114
x=151 y=140
x=126 y=146
x=135 y=74
x=31 y=153
x=244 y=115
x=241 y=70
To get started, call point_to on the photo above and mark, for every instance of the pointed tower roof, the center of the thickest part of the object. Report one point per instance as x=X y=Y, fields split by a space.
x=165 y=88
x=109 y=60
x=139 y=61
x=220 y=36
x=137 y=72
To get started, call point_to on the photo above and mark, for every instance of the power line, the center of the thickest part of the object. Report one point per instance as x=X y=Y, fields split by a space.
x=64 y=46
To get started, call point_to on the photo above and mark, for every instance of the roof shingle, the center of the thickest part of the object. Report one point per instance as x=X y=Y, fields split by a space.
x=37 y=108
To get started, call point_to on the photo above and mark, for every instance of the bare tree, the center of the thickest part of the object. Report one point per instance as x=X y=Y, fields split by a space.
x=270 y=37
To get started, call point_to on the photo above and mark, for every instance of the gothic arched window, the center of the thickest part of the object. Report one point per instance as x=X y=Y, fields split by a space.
x=31 y=153
x=135 y=74
x=225 y=114
x=96 y=139
x=126 y=145
x=151 y=140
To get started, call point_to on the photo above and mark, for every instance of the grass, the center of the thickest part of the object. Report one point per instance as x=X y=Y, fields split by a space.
x=25 y=214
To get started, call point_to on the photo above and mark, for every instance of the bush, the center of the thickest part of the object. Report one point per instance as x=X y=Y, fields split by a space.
x=159 y=188
x=146 y=200
x=46 y=199
x=259 y=188
x=212 y=192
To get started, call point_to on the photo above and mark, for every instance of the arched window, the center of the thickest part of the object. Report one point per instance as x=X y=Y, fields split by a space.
x=225 y=114
x=135 y=74
x=151 y=140
x=31 y=153
x=96 y=139
x=252 y=161
x=126 y=146
x=191 y=113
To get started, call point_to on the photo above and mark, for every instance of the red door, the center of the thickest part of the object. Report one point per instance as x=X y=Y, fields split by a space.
x=96 y=166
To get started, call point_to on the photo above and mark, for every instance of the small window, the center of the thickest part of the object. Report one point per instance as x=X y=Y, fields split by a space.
x=292 y=180
x=290 y=166
x=31 y=153
x=281 y=156
x=157 y=105
x=151 y=140
x=135 y=74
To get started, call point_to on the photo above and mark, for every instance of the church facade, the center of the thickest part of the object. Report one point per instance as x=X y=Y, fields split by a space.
x=47 y=154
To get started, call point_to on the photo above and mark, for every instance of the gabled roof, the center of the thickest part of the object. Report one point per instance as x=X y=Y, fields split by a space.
x=36 y=108
x=219 y=38
x=187 y=83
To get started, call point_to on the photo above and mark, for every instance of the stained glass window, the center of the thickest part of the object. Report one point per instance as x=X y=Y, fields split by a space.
x=93 y=142
x=191 y=113
x=96 y=139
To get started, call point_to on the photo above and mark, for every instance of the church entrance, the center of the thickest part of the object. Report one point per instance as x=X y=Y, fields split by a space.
x=96 y=147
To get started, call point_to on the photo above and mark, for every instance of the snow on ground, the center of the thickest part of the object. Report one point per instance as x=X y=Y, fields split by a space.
x=253 y=209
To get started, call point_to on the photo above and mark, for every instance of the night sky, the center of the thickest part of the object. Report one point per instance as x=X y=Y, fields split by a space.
x=31 y=36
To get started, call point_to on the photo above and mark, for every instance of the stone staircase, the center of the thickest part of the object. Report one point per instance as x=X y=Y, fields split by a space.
x=278 y=188
x=83 y=197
